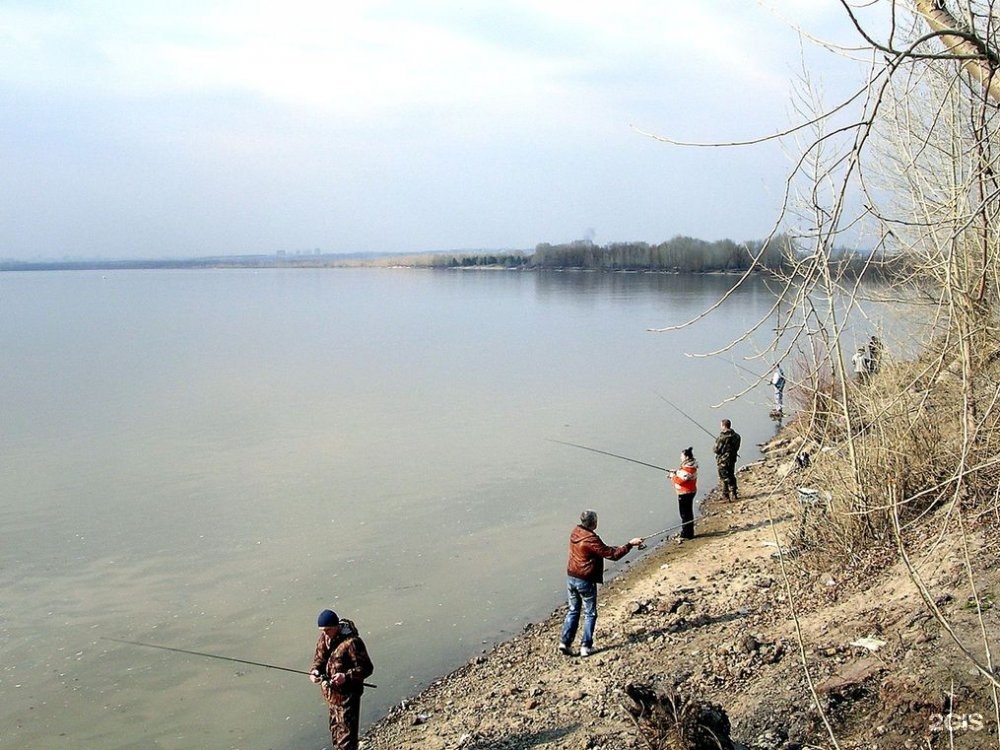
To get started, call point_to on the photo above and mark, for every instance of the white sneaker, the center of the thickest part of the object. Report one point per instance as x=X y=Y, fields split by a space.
x=584 y=651
x=563 y=649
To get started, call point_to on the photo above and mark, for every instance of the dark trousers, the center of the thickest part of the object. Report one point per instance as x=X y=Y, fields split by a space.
x=727 y=479
x=345 y=718
x=686 y=505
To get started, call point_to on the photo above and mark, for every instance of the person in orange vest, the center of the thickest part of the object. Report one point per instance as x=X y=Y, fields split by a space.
x=685 y=479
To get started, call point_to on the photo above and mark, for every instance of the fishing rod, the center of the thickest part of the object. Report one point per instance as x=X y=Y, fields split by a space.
x=216 y=656
x=664 y=531
x=746 y=369
x=613 y=455
x=683 y=414
x=761 y=378
x=659 y=533
x=635 y=461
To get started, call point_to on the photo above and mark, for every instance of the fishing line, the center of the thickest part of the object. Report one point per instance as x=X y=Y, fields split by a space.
x=664 y=531
x=683 y=414
x=606 y=453
x=216 y=656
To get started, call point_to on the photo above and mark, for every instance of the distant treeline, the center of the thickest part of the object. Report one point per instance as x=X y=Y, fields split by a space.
x=678 y=255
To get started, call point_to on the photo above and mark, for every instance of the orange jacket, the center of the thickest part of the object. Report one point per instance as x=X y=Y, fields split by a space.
x=686 y=478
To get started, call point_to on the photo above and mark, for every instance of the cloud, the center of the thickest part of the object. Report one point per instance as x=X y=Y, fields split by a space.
x=367 y=58
x=305 y=119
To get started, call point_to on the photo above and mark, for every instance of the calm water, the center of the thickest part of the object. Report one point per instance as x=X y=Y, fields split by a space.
x=206 y=459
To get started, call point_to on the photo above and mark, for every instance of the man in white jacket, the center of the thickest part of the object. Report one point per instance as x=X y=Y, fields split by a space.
x=778 y=381
x=862 y=364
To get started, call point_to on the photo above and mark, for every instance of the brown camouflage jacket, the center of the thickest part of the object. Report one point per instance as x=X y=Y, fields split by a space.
x=727 y=447
x=342 y=653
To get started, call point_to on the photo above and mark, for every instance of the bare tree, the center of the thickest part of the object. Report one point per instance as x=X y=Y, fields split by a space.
x=905 y=167
x=921 y=165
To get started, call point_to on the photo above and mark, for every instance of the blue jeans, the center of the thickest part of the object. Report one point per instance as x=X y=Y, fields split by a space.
x=579 y=591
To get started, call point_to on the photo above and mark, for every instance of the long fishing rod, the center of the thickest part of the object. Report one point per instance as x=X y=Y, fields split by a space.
x=663 y=531
x=606 y=453
x=683 y=414
x=216 y=656
x=745 y=369
x=635 y=461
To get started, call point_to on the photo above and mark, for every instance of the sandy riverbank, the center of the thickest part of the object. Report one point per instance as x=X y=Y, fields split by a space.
x=722 y=618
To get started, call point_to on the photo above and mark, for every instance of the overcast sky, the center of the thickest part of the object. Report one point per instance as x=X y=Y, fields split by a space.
x=202 y=127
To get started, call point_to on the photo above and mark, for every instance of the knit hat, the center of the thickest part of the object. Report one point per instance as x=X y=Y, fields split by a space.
x=328 y=619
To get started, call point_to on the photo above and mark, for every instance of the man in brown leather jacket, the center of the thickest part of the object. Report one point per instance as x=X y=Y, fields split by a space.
x=584 y=570
x=340 y=665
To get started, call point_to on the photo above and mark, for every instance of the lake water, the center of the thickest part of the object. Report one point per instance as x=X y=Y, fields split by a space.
x=206 y=459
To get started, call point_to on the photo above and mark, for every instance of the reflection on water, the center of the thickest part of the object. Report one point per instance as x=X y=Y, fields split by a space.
x=206 y=459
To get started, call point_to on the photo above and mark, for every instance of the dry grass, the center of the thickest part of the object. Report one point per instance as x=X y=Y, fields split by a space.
x=911 y=457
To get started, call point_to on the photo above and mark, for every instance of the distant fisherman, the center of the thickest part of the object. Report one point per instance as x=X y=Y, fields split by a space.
x=584 y=570
x=685 y=480
x=875 y=350
x=340 y=665
x=778 y=382
x=862 y=364
x=727 y=449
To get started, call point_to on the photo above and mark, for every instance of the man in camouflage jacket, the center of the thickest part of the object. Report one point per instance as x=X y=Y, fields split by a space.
x=340 y=665
x=727 y=449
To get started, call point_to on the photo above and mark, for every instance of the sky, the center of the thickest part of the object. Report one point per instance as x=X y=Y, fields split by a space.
x=202 y=127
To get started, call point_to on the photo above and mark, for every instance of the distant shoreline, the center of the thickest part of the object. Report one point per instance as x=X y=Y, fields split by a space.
x=268 y=263
x=241 y=261
x=680 y=255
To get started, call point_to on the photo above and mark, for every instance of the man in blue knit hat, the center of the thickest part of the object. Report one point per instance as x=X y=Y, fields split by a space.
x=340 y=665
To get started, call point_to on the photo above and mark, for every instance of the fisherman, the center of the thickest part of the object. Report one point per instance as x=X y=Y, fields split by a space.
x=584 y=570
x=874 y=355
x=340 y=665
x=727 y=449
x=862 y=364
x=778 y=382
x=685 y=480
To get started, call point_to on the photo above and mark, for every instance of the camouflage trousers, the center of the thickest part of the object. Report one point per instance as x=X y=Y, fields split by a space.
x=727 y=480
x=345 y=718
